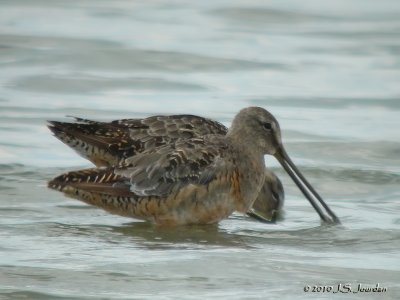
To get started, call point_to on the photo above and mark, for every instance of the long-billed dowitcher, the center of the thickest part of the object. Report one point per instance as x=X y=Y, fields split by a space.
x=156 y=170
x=109 y=144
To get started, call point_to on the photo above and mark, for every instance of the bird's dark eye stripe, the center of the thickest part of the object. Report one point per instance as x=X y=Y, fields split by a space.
x=267 y=125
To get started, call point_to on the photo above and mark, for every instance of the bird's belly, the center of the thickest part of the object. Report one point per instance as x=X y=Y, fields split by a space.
x=197 y=204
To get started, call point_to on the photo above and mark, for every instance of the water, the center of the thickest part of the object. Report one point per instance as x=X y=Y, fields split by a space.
x=330 y=73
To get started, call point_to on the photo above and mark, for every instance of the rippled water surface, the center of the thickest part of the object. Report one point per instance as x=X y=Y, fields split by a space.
x=328 y=70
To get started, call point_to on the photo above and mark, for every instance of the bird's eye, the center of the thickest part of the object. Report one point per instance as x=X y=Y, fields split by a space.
x=267 y=126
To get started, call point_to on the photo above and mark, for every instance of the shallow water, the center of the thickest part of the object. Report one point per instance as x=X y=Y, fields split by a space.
x=329 y=71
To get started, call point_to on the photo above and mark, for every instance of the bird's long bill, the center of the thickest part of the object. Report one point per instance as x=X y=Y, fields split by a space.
x=308 y=191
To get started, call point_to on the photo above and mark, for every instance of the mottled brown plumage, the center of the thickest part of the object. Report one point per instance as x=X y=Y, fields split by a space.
x=107 y=144
x=178 y=169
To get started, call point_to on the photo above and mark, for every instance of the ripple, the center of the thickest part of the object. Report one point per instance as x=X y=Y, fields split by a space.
x=265 y=16
x=329 y=102
x=95 y=84
x=91 y=55
x=337 y=239
x=28 y=294
x=374 y=177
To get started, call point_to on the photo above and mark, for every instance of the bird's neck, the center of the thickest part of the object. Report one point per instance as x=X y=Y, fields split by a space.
x=244 y=142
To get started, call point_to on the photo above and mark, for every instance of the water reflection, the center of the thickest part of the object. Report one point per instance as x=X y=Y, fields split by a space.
x=187 y=237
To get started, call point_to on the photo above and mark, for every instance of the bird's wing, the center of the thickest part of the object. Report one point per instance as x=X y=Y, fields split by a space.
x=160 y=171
x=171 y=127
x=106 y=144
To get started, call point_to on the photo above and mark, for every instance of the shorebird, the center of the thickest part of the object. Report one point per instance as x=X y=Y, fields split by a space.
x=180 y=169
x=109 y=144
